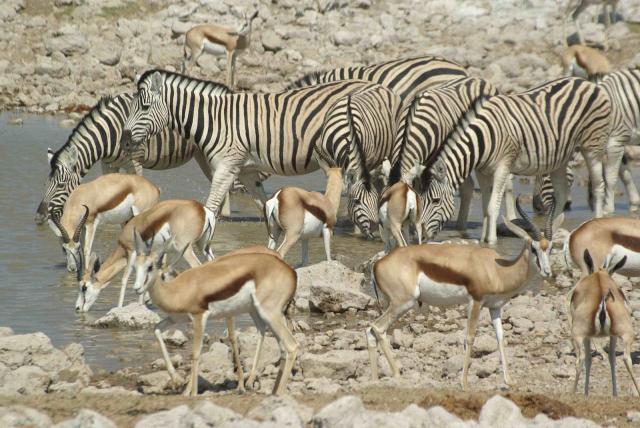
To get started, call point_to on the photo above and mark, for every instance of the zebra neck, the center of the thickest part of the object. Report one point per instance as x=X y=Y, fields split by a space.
x=205 y=131
x=460 y=160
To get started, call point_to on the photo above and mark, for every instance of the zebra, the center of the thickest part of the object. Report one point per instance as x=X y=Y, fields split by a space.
x=274 y=132
x=424 y=125
x=96 y=139
x=623 y=89
x=535 y=132
x=357 y=136
x=406 y=77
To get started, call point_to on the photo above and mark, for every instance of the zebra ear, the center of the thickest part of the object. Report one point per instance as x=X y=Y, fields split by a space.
x=50 y=153
x=438 y=171
x=156 y=83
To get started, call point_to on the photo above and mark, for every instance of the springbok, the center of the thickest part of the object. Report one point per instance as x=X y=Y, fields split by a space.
x=302 y=214
x=576 y=7
x=605 y=237
x=583 y=61
x=452 y=274
x=111 y=199
x=261 y=284
x=400 y=206
x=187 y=222
x=218 y=40
x=599 y=309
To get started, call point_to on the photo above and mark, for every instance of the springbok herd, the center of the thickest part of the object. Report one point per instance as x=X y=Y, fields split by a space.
x=401 y=138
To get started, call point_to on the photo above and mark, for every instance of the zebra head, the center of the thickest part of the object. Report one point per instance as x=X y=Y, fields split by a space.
x=63 y=178
x=149 y=113
x=89 y=287
x=438 y=203
x=362 y=204
x=539 y=243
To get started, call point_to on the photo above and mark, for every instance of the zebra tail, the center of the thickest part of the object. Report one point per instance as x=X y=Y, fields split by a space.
x=355 y=137
x=394 y=174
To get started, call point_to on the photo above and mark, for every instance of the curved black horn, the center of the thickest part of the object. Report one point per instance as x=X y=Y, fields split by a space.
x=56 y=220
x=535 y=233
x=83 y=220
x=548 y=233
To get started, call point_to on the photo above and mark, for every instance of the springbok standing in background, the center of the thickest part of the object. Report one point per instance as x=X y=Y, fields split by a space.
x=111 y=199
x=599 y=309
x=218 y=40
x=576 y=7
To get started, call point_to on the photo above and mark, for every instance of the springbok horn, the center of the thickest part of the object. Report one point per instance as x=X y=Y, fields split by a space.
x=83 y=220
x=548 y=233
x=535 y=233
x=56 y=220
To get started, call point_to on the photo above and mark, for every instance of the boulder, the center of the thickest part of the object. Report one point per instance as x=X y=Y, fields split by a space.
x=25 y=380
x=336 y=364
x=271 y=41
x=345 y=38
x=87 y=419
x=499 y=412
x=22 y=416
x=69 y=41
x=108 y=52
x=282 y=411
x=156 y=382
x=7 y=331
x=178 y=417
x=174 y=337
x=133 y=316
x=340 y=413
x=214 y=415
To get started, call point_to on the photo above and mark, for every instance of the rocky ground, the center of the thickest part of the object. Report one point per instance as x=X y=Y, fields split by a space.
x=331 y=383
x=63 y=55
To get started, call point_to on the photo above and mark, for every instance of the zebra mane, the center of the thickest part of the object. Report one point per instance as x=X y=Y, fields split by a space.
x=183 y=77
x=89 y=118
x=459 y=128
x=394 y=174
x=308 y=79
x=366 y=176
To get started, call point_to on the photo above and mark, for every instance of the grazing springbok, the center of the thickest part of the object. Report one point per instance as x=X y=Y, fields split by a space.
x=576 y=7
x=605 y=237
x=302 y=214
x=400 y=207
x=600 y=309
x=259 y=284
x=583 y=61
x=218 y=40
x=187 y=222
x=111 y=199
x=453 y=274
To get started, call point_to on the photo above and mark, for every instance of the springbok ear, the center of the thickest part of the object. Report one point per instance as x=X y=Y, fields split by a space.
x=54 y=227
x=137 y=241
x=588 y=261
x=254 y=15
x=136 y=79
x=516 y=230
x=557 y=223
x=617 y=266
x=386 y=169
x=156 y=83
x=50 y=153
x=148 y=245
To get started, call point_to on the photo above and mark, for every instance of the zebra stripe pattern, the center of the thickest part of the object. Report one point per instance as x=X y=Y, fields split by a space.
x=526 y=134
x=406 y=77
x=275 y=133
x=96 y=139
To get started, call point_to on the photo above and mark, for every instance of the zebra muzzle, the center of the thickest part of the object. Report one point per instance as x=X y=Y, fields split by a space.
x=126 y=139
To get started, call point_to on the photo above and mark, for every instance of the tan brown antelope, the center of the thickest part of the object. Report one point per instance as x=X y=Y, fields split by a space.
x=576 y=7
x=583 y=61
x=110 y=199
x=259 y=284
x=603 y=237
x=454 y=274
x=600 y=309
x=400 y=206
x=218 y=40
x=301 y=214
x=187 y=222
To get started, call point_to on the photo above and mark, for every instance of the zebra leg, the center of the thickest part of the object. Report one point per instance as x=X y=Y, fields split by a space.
x=251 y=180
x=509 y=201
x=594 y=165
x=326 y=238
x=203 y=164
x=500 y=177
x=226 y=206
x=560 y=187
x=220 y=184
x=615 y=151
x=304 y=247
x=630 y=186
x=466 y=195
x=485 y=189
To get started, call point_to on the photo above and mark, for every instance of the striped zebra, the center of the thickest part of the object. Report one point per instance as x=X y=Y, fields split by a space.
x=275 y=132
x=405 y=77
x=96 y=139
x=530 y=133
x=357 y=136
x=423 y=127
x=623 y=89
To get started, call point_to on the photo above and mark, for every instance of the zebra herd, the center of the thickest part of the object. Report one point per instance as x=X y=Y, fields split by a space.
x=423 y=121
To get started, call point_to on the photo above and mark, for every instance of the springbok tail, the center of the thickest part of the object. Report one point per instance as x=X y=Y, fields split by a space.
x=603 y=320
